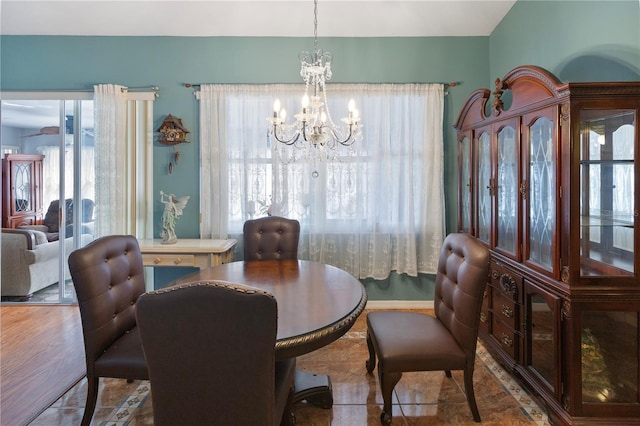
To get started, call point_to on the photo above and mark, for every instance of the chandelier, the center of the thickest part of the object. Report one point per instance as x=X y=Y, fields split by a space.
x=314 y=131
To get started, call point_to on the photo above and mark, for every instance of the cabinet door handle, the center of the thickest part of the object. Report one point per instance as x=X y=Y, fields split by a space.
x=507 y=311
x=178 y=261
x=506 y=340
x=492 y=189
x=157 y=260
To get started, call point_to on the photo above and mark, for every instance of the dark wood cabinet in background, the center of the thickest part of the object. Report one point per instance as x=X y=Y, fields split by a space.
x=549 y=180
x=21 y=190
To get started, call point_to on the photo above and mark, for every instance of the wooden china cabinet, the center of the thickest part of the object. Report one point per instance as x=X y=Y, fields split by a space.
x=550 y=181
x=21 y=190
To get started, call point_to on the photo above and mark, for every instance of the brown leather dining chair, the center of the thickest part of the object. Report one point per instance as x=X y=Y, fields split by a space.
x=412 y=341
x=210 y=347
x=276 y=238
x=271 y=237
x=108 y=279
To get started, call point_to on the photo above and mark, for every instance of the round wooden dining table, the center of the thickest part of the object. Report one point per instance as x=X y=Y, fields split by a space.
x=317 y=304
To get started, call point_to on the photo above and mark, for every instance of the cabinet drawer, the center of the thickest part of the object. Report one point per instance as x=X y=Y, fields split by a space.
x=507 y=282
x=505 y=309
x=157 y=259
x=507 y=338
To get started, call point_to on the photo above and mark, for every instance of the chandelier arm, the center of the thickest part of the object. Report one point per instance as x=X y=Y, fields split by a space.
x=348 y=141
x=290 y=141
x=328 y=112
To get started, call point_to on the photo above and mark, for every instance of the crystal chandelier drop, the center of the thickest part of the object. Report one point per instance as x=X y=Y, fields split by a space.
x=314 y=133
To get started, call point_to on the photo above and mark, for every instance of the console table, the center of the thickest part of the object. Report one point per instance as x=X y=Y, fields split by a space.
x=195 y=253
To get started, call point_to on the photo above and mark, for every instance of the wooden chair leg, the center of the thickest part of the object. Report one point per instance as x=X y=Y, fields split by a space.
x=371 y=362
x=471 y=397
x=388 y=381
x=447 y=373
x=288 y=418
x=92 y=398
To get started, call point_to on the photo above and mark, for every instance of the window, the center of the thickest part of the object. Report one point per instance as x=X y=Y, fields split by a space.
x=378 y=207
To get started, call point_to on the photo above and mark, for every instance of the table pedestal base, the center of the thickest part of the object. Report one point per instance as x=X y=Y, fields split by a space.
x=314 y=388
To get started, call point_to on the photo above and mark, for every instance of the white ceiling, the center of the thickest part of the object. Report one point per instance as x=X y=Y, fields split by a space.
x=288 y=18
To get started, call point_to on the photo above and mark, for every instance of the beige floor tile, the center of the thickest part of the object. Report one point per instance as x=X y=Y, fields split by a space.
x=420 y=398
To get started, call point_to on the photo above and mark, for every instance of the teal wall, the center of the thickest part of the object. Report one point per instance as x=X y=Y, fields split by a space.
x=39 y=63
x=577 y=40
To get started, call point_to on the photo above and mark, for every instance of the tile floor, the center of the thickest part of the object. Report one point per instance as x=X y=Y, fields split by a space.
x=426 y=398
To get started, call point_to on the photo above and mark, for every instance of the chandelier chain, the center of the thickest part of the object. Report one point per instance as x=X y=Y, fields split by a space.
x=314 y=133
x=315 y=26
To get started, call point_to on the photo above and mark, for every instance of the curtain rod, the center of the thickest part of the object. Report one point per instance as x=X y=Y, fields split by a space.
x=450 y=84
x=124 y=88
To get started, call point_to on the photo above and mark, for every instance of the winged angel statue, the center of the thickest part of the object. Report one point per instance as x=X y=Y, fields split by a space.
x=172 y=210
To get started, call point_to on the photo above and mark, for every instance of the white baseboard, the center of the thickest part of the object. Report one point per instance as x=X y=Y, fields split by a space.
x=399 y=304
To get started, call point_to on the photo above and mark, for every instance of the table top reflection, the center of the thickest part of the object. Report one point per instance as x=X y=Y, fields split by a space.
x=317 y=303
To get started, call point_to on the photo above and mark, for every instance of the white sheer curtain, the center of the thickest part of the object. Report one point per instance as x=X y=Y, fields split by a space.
x=110 y=158
x=51 y=173
x=379 y=208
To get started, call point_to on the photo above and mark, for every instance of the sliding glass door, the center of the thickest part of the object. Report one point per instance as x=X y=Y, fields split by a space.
x=60 y=132
x=77 y=185
x=56 y=131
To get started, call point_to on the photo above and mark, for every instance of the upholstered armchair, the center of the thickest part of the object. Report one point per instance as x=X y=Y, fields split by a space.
x=51 y=222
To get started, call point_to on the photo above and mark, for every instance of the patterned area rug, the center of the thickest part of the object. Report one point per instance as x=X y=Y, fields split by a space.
x=511 y=387
x=123 y=414
x=126 y=409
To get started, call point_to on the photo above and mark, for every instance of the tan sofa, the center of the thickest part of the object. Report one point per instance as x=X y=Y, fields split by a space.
x=30 y=261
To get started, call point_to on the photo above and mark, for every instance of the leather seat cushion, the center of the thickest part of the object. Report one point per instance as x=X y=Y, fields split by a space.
x=411 y=341
x=123 y=359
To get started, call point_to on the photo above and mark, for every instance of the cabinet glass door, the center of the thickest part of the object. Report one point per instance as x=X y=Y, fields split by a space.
x=507 y=178
x=21 y=186
x=539 y=191
x=485 y=188
x=464 y=223
x=542 y=360
x=608 y=211
x=610 y=362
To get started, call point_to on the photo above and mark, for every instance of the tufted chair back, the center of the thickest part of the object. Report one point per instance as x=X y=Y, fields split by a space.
x=108 y=279
x=210 y=347
x=271 y=237
x=462 y=265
